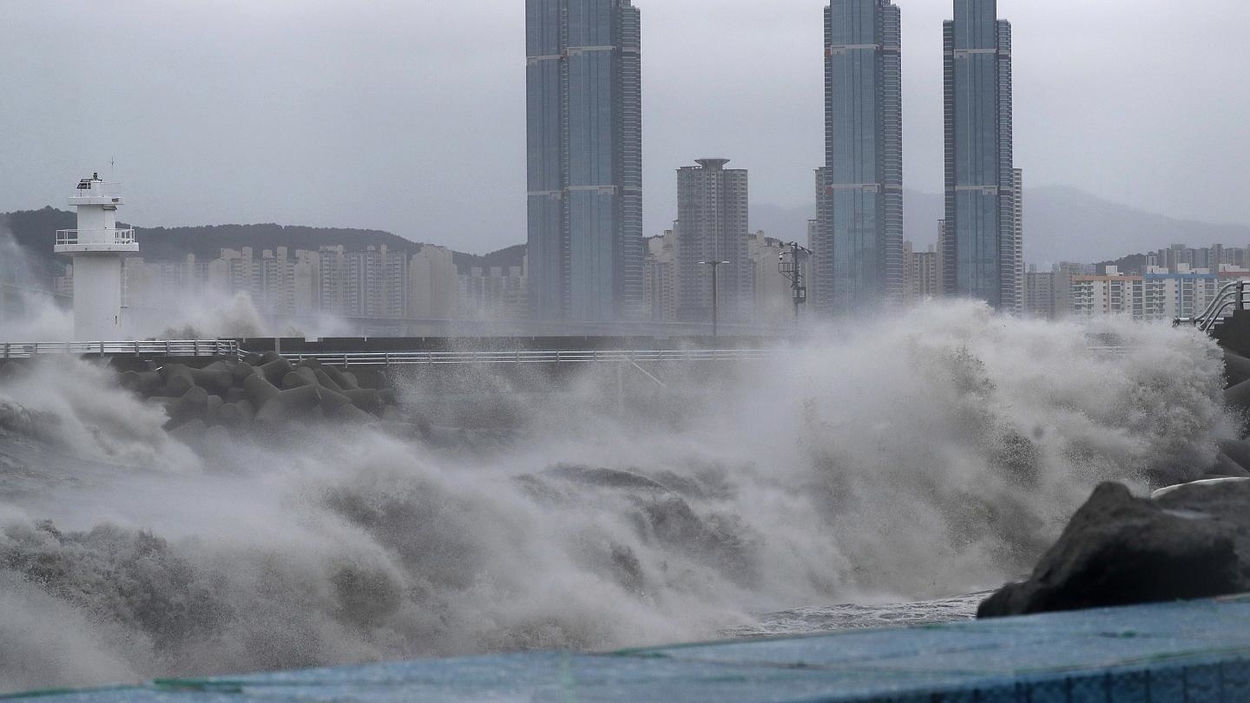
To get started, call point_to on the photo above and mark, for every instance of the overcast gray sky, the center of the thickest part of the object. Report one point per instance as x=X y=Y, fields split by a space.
x=408 y=115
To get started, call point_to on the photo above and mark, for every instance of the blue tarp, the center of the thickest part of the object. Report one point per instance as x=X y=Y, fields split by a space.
x=1197 y=651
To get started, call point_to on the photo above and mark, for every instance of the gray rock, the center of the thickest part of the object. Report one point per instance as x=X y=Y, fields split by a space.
x=1121 y=550
x=1236 y=368
x=1225 y=466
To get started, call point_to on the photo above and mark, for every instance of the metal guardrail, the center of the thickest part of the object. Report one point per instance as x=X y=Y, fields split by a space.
x=1233 y=294
x=528 y=356
x=169 y=348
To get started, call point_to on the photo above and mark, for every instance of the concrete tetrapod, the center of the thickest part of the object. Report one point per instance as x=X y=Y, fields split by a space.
x=215 y=377
x=294 y=380
x=178 y=380
x=366 y=399
x=350 y=382
x=339 y=378
x=192 y=405
x=229 y=416
x=142 y=382
x=333 y=400
x=241 y=371
x=191 y=432
x=276 y=370
x=259 y=390
x=296 y=403
x=307 y=374
x=215 y=404
x=233 y=395
x=326 y=382
x=349 y=413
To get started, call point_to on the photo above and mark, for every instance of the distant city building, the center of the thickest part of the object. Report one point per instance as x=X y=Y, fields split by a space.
x=277 y=282
x=1064 y=273
x=374 y=282
x=1108 y=294
x=1040 y=294
x=1156 y=294
x=433 y=284
x=495 y=293
x=383 y=282
x=859 y=235
x=660 y=279
x=712 y=226
x=584 y=116
x=980 y=237
x=339 y=292
x=921 y=274
x=1213 y=257
x=236 y=270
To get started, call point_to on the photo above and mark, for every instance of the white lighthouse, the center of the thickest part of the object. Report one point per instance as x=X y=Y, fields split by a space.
x=97 y=247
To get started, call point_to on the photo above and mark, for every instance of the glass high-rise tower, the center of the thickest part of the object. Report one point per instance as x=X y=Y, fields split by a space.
x=858 y=239
x=980 y=244
x=584 y=118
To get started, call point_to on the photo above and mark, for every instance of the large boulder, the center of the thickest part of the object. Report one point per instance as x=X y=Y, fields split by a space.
x=1236 y=368
x=1193 y=542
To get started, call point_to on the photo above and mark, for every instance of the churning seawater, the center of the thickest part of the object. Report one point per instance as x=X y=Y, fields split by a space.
x=913 y=460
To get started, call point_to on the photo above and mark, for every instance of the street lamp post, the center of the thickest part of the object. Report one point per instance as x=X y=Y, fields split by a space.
x=715 y=298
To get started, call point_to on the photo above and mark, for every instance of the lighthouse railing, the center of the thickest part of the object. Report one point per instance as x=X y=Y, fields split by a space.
x=98 y=189
x=75 y=237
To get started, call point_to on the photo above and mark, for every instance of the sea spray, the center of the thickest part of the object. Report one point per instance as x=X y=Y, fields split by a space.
x=28 y=315
x=930 y=455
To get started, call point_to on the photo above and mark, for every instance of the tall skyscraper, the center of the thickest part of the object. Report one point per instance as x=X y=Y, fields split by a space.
x=1017 y=252
x=712 y=226
x=584 y=110
x=859 y=236
x=980 y=243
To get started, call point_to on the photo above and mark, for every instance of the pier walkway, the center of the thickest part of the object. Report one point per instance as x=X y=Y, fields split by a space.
x=1172 y=653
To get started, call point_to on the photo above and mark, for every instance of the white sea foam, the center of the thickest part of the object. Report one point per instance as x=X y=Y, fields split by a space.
x=927 y=456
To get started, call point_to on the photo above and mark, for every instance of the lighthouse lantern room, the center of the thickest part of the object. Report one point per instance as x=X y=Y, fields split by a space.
x=97 y=248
